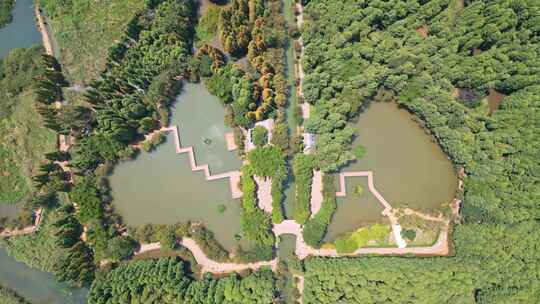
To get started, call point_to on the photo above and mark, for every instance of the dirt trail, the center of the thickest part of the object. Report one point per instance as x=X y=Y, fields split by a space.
x=207 y=264
x=26 y=230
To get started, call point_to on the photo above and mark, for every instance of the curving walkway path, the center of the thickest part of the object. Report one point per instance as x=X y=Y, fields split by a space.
x=209 y=265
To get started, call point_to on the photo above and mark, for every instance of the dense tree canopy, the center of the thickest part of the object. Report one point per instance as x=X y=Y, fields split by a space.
x=433 y=58
x=165 y=281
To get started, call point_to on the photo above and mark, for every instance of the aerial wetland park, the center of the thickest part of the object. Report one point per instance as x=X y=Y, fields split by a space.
x=269 y=151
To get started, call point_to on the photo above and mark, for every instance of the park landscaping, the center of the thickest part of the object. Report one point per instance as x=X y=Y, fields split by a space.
x=133 y=98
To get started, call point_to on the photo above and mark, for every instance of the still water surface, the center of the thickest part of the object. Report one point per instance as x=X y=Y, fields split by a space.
x=160 y=188
x=36 y=286
x=22 y=31
x=410 y=170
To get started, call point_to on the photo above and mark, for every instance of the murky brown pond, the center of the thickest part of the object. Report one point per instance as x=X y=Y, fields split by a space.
x=160 y=188
x=410 y=170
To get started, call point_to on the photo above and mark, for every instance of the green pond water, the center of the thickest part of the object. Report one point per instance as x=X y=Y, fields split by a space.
x=22 y=31
x=36 y=286
x=410 y=170
x=160 y=188
x=354 y=210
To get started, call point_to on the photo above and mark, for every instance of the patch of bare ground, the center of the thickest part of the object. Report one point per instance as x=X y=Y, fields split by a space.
x=423 y=31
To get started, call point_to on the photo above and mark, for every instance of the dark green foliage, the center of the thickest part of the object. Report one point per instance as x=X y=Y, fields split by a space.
x=76 y=266
x=120 y=247
x=259 y=136
x=303 y=172
x=204 y=237
x=256 y=224
x=315 y=228
x=131 y=97
x=375 y=53
x=280 y=136
x=87 y=196
x=167 y=238
x=169 y=283
x=409 y=234
x=266 y=161
x=17 y=72
x=5 y=12
x=144 y=281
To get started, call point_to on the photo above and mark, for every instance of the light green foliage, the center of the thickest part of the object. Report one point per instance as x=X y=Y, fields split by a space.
x=269 y=161
x=266 y=161
x=408 y=234
x=358 y=190
x=259 y=136
x=315 y=228
x=256 y=224
x=359 y=151
x=207 y=28
x=221 y=208
x=84 y=31
x=23 y=138
x=361 y=237
x=56 y=248
x=303 y=172
x=39 y=250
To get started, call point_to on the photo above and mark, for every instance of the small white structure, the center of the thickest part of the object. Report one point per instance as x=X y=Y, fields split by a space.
x=309 y=142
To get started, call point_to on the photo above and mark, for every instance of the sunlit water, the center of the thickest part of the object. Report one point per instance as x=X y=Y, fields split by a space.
x=160 y=188
x=409 y=169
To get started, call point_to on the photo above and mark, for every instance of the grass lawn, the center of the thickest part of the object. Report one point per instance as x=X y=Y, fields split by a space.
x=207 y=28
x=427 y=232
x=84 y=31
x=23 y=142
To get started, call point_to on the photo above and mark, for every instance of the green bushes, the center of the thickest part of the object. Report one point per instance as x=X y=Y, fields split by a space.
x=207 y=28
x=165 y=234
x=170 y=283
x=361 y=237
x=56 y=247
x=303 y=172
x=256 y=224
x=5 y=12
x=379 y=55
x=87 y=196
x=8 y=296
x=315 y=228
x=408 y=234
x=266 y=160
x=269 y=161
x=259 y=136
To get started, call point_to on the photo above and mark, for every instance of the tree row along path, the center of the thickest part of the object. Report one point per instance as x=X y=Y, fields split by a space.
x=209 y=265
x=233 y=176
